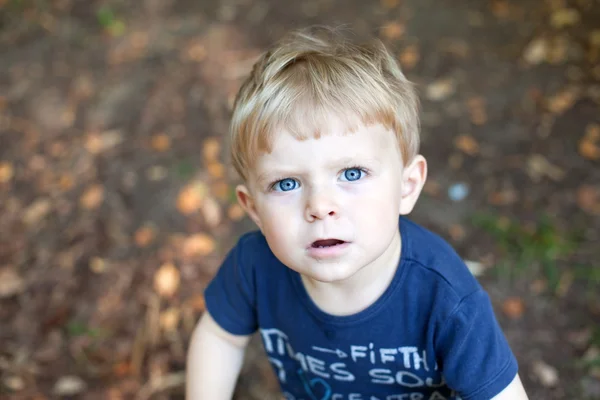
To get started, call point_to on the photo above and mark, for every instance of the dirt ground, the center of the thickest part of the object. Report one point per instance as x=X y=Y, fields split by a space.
x=116 y=200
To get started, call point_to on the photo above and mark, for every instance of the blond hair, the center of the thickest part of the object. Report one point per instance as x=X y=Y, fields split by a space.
x=310 y=74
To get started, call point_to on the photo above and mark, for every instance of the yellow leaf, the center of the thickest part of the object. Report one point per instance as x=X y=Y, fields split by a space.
x=92 y=197
x=235 y=212
x=37 y=211
x=211 y=150
x=409 y=57
x=467 y=144
x=166 y=280
x=190 y=198
x=197 y=303
x=211 y=211
x=564 y=17
x=392 y=30
x=216 y=170
x=589 y=149
x=6 y=172
x=161 y=143
x=169 y=319
x=220 y=190
x=144 y=236
x=562 y=101
x=513 y=307
x=199 y=244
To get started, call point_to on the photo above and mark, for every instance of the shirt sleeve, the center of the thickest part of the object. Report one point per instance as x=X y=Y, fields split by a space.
x=231 y=297
x=475 y=357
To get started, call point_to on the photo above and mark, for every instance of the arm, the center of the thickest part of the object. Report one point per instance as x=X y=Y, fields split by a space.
x=214 y=361
x=514 y=391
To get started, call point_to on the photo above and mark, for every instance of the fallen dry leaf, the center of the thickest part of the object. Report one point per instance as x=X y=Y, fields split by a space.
x=66 y=182
x=37 y=211
x=546 y=374
x=538 y=166
x=11 y=283
x=144 y=235
x=216 y=170
x=98 y=265
x=92 y=197
x=588 y=199
x=562 y=101
x=197 y=303
x=410 y=56
x=221 y=190
x=500 y=8
x=457 y=232
x=467 y=144
x=536 y=51
x=440 y=89
x=564 y=17
x=166 y=280
x=211 y=211
x=12 y=382
x=235 y=212
x=477 y=110
x=169 y=319
x=392 y=30
x=160 y=143
x=190 y=198
x=6 y=172
x=589 y=149
x=199 y=244
x=513 y=307
x=211 y=150
x=69 y=386
x=503 y=197
x=389 y=4
x=97 y=143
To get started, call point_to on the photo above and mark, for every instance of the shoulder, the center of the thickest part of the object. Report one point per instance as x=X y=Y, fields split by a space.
x=434 y=262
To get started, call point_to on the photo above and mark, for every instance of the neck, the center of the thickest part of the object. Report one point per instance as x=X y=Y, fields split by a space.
x=356 y=293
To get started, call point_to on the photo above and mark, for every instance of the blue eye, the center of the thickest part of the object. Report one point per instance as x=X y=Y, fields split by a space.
x=353 y=174
x=285 y=185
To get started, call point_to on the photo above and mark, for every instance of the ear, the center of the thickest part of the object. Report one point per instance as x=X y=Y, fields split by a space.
x=245 y=199
x=413 y=179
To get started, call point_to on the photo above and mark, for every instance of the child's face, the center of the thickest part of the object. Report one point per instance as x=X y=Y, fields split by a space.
x=328 y=207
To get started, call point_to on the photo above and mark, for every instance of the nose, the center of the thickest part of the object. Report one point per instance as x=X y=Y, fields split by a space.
x=320 y=205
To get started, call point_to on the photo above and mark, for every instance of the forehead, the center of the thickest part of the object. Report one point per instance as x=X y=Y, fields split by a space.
x=337 y=143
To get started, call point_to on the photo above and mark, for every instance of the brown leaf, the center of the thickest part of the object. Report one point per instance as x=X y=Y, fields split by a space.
x=6 y=172
x=536 y=51
x=37 y=211
x=500 y=8
x=467 y=144
x=197 y=303
x=166 y=280
x=98 y=265
x=66 y=182
x=588 y=199
x=410 y=56
x=392 y=30
x=503 y=197
x=562 y=101
x=199 y=244
x=235 y=212
x=221 y=190
x=589 y=149
x=513 y=307
x=538 y=166
x=477 y=110
x=440 y=89
x=144 y=236
x=160 y=143
x=97 y=143
x=216 y=170
x=11 y=283
x=93 y=197
x=190 y=198
x=389 y=4
x=457 y=232
x=211 y=150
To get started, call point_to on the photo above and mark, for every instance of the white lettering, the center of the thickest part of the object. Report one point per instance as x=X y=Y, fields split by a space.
x=380 y=375
x=337 y=396
x=418 y=360
x=371 y=353
x=302 y=360
x=357 y=351
x=430 y=383
x=397 y=397
x=280 y=370
x=416 y=396
x=387 y=355
x=436 y=396
x=355 y=396
x=406 y=352
x=408 y=379
x=340 y=372
x=317 y=367
x=280 y=337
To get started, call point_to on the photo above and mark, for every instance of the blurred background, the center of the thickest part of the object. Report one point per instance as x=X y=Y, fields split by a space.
x=117 y=202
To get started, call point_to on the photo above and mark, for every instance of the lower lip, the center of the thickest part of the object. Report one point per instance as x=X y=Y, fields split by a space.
x=327 y=252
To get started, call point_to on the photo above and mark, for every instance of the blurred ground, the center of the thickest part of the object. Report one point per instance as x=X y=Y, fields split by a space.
x=116 y=202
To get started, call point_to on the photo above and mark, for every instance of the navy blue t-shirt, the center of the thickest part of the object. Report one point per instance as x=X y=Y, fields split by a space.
x=432 y=335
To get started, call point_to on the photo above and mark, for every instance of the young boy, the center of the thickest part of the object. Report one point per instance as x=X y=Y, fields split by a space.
x=352 y=300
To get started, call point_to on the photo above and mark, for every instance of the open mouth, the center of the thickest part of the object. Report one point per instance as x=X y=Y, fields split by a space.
x=319 y=244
